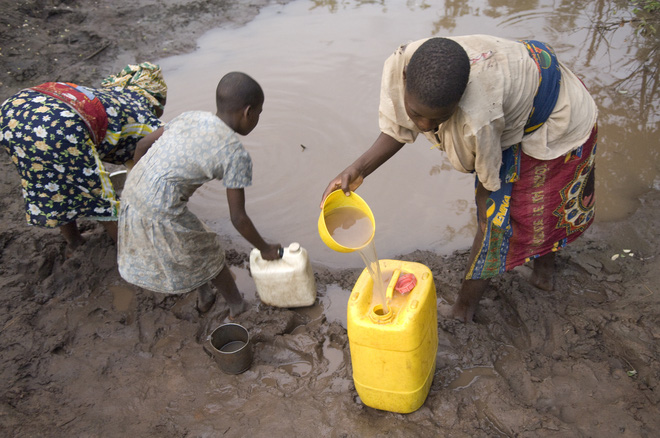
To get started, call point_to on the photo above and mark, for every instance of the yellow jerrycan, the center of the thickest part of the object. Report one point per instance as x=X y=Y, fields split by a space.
x=393 y=350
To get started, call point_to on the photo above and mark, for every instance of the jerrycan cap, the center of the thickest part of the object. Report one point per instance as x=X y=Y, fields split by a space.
x=405 y=283
x=294 y=247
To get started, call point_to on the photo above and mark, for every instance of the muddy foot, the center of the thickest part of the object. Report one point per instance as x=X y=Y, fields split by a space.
x=468 y=300
x=543 y=273
x=205 y=298
x=237 y=309
x=72 y=247
x=544 y=282
x=185 y=308
x=461 y=312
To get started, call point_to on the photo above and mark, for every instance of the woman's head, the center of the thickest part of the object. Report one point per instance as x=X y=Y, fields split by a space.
x=145 y=79
x=435 y=79
x=239 y=98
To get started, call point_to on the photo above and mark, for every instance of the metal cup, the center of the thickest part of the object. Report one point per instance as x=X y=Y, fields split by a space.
x=230 y=346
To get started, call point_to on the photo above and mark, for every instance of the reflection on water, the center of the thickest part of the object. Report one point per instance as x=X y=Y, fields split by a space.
x=621 y=71
x=320 y=64
x=244 y=282
x=469 y=376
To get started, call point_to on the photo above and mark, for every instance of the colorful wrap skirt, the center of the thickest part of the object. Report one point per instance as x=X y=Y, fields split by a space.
x=541 y=205
x=549 y=205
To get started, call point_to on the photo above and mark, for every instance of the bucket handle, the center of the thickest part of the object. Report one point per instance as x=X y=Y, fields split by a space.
x=392 y=284
x=208 y=347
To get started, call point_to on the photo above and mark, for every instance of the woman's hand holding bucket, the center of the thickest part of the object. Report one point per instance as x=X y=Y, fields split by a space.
x=348 y=181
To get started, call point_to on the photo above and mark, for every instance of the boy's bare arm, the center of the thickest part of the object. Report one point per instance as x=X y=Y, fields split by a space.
x=244 y=225
x=145 y=143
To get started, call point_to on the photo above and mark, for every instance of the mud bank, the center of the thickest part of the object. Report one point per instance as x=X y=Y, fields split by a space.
x=85 y=354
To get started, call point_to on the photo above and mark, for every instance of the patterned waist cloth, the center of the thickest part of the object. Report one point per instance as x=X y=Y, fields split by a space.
x=541 y=205
x=83 y=102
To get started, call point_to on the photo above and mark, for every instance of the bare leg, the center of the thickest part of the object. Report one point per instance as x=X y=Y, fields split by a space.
x=226 y=285
x=544 y=270
x=72 y=236
x=111 y=229
x=471 y=290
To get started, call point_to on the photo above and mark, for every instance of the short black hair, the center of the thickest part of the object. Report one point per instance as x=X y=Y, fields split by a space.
x=237 y=90
x=438 y=73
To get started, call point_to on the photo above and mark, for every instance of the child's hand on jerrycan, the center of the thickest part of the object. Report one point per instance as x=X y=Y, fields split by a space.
x=273 y=251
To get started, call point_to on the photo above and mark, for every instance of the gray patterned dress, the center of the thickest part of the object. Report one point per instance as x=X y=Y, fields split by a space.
x=162 y=245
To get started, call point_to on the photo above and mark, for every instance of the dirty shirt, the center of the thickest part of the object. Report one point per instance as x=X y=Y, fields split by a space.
x=162 y=245
x=494 y=109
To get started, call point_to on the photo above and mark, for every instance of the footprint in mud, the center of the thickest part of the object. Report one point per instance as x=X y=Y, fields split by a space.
x=334 y=355
x=301 y=355
x=282 y=354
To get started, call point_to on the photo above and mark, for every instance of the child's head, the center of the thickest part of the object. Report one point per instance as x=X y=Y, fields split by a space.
x=435 y=79
x=239 y=100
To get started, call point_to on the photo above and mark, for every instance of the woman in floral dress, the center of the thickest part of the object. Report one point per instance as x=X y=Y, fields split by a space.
x=59 y=135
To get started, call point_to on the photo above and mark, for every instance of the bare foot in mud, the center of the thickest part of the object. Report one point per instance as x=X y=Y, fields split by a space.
x=205 y=298
x=463 y=312
x=236 y=309
x=185 y=308
x=543 y=273
x=74 y=239
x=72 y=246
x=468 y=300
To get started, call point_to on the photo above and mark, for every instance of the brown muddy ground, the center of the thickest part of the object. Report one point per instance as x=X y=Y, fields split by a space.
x=86 y=355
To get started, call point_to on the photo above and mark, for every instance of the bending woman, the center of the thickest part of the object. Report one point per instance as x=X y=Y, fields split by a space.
x=59 y=135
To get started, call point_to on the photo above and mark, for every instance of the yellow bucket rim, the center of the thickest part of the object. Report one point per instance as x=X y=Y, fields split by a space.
x=339 y=199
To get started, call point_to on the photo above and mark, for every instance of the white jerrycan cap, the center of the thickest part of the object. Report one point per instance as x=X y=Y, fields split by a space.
x=294 y=247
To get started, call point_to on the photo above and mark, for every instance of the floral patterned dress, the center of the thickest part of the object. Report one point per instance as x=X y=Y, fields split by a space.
x=61 y=169
x=162 y=245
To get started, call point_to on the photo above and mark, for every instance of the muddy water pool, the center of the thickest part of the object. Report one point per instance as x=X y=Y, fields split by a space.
x=320 y=62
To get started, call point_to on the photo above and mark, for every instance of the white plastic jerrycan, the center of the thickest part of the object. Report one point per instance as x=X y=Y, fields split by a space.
x=287 y=282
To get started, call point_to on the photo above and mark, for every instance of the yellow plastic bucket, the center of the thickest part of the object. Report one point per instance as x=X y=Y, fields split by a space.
x=337 y=204
x=393 y=354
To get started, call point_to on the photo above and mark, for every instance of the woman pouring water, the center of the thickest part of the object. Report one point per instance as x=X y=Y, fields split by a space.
x=518 y=119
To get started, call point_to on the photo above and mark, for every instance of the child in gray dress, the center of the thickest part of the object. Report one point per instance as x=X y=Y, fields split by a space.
x=162 y=245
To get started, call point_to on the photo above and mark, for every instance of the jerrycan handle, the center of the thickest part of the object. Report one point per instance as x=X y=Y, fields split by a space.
x=392 y=284
x=294 y=248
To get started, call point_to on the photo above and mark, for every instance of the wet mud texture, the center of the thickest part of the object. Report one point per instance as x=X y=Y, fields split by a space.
x=85 y=354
